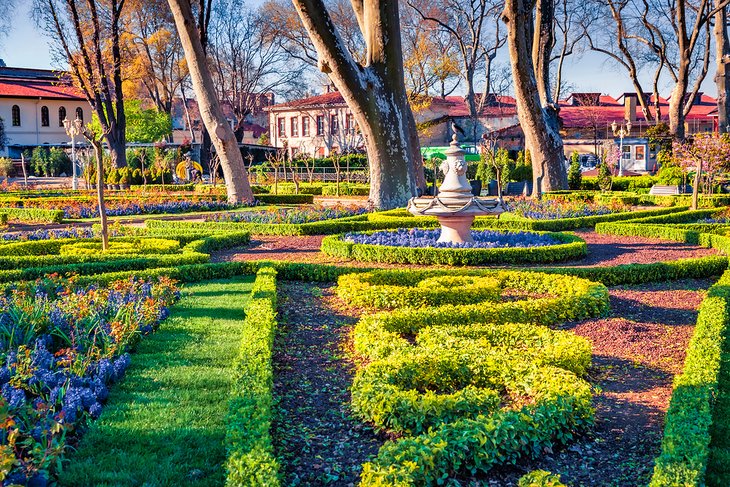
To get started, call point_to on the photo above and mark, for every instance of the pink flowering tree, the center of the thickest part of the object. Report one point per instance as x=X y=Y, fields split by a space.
x=707 y=154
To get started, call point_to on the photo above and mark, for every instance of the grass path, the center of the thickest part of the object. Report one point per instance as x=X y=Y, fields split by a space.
x=164 y=424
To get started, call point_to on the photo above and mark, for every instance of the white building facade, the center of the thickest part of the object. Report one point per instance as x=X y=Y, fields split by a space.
x=33 y=105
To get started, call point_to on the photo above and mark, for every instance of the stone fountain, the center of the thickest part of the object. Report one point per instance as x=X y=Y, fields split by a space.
x=454 y=205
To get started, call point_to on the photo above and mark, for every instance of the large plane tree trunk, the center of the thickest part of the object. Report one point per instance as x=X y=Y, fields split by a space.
x=538 y=118
x=375 y=93
x=722 y=75
x=226 y=146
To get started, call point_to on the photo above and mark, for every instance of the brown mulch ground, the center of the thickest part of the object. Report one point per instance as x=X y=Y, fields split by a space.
x=637 y=351
x=316 y=439
x=603 y=250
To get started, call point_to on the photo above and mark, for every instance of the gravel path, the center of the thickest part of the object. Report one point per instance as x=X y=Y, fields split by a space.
x=316 y=439
x=637 y=350
x=603 y=250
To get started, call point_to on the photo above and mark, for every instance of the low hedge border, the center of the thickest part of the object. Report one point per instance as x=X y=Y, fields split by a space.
x=324 y=227
x=297 y=271
x=570 y=247
x=251 y=459
x=33 y=215
x=685 y=446
x=666 y=232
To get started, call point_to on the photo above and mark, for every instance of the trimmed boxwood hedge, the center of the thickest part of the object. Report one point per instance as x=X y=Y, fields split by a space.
x=685 y=447
x=571 y=247
x=251 y=459
x=33 y=215
x=448 y=390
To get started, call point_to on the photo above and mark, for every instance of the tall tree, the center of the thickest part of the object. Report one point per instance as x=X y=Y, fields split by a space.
x=247 y=62
x=529 y=49
x=87 y=33
x=468 y=22
x=722 y=72
x=234 y=169
x=675 y=37
x=374 y=91
x=154 y=63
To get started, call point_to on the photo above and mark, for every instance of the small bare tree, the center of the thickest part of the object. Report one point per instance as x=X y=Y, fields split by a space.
x=275 y=159
x=96 y=142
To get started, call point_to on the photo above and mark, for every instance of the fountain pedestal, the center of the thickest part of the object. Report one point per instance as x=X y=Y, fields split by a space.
x=455 y=207
x=456 y=228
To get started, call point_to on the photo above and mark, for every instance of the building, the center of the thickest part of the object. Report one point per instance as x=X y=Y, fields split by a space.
x=187 y=122
x=320 y=124
x=33 y=105
x=587 y=120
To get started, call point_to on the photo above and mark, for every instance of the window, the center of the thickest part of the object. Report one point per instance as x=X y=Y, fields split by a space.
x=320 y=125
x=350 y=124
x=281 y=131
x=627 y=153
x=45 y=118
x=305 y=126
x=295 y=127
x=16 y=116
x=61 y=116
x=80 y=114
x=334 y=124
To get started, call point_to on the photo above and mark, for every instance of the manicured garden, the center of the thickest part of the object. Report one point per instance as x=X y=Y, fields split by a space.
x=333 y=345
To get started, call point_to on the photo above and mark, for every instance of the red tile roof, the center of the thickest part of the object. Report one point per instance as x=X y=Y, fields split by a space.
x=38 y=89
x=454 y=106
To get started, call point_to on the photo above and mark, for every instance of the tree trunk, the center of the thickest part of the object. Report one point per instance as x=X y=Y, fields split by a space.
x=539 y=125
x=696 y=188
x=234 y=170
x=722 y=76
x=375 y=93
x=99 y=153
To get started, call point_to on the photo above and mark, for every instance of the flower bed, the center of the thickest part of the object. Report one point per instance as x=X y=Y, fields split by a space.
x=61 y=346
x=43 y=234
x=553 y=209
x=535 y=248
x=483 y=239
x=290 y=215
x=468 y=396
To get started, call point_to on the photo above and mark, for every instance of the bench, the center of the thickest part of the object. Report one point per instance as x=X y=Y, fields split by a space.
x=661 y=190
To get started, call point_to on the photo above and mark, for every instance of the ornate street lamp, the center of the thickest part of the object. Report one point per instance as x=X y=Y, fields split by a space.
x=73 y=129
x=621 y=131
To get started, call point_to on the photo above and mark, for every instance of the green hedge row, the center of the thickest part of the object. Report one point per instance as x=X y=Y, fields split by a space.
x=569 y=248
x=687 y=432
x=299 y=271
x=33 y=215
x=449 y=392
x=251 y=459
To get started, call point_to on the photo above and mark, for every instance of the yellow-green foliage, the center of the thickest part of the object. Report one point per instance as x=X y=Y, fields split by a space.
x=471 y=384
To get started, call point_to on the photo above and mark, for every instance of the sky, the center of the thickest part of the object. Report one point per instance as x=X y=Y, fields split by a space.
x=26 y=46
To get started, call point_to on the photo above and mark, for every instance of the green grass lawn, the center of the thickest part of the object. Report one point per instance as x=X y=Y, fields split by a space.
x=164 y=424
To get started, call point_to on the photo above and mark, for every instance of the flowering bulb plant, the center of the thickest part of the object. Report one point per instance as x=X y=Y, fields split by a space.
x=555 y=209
x=291 y=215
x=61 y=346
x=485 y=239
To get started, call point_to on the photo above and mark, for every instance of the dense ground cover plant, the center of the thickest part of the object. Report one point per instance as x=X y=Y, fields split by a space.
x=486 y=239
x=469 y=385
x=290 y=215
x=61 y=346
x=551 y=209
